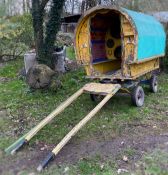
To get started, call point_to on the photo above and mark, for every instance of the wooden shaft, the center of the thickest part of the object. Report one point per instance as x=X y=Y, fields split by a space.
x=81 y=124
x=57 y=111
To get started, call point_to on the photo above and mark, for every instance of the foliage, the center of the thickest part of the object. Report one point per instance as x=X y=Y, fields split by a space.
x=16 y=34
x=70 y=52
x=10 y=45
x=26 y=26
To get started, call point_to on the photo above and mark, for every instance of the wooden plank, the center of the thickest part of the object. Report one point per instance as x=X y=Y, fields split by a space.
x=57 y=111
x=98 y=88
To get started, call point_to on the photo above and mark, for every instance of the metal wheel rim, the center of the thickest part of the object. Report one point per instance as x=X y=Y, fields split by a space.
x=140 y=97
x=155 y=85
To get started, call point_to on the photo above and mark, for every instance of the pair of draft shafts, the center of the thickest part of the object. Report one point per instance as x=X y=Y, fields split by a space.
x=27 y=137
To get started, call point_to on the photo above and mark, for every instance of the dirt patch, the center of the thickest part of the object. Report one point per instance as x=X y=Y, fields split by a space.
x=4 y=79
x=114 y=149
x=110 y=149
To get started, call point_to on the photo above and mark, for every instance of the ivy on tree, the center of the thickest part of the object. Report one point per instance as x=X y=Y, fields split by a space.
x=45 y=32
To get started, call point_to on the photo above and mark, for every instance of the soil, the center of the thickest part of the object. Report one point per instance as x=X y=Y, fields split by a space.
x=111 y=148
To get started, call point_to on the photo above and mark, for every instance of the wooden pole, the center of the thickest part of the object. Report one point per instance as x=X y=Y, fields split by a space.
x=66 y=139
x=23 y=140
x=54 y=113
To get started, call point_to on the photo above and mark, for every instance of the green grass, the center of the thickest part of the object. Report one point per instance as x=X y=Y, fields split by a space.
x=85 y=167
x=35 y=105
x=70 y=53
x=155 y=163
x=116 y=118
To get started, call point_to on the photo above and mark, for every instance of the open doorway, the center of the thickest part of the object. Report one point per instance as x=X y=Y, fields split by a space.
x=105 y=29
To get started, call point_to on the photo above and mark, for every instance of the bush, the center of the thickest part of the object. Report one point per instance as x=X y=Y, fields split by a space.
x=26 y=26
x=16 y=35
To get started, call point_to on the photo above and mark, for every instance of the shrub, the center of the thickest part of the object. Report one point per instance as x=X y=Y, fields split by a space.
x=16 y=35
x=26 y=26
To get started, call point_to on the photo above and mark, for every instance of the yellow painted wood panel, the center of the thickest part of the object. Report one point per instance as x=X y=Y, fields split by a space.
x=103 y=68
x=143 y=68
x=83 y=43
x=107 y=66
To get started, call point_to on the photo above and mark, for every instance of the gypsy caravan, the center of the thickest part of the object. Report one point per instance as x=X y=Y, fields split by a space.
x=120 y=50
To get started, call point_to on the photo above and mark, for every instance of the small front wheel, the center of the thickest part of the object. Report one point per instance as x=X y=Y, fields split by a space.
x=96 y=98
x=153 y=83
x=138 y=96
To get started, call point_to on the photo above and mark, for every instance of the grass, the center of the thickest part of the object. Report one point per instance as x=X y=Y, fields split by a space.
x=25 y=108
x=70 y=53
x=85 y=167
x=148 y=165
x=155 y=163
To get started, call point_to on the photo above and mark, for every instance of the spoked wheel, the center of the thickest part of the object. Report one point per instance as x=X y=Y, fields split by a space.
x=138 y=96
x=96 y=98
x=153 y=83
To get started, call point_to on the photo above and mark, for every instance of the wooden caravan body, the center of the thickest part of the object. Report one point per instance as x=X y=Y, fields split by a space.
x=116 y=43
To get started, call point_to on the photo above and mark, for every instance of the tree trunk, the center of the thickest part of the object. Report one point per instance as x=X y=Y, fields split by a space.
x=38 y=18
x=90 y=4
x=83 y=6
x=52 y=29
x=27 y=6
x=73 y=4
x=45 y=45
x=24 y=6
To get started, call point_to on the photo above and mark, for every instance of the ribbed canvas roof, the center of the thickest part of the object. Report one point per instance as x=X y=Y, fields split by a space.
x=151 y=35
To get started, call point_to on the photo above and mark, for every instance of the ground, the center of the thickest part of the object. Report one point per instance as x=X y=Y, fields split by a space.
x=117 y=133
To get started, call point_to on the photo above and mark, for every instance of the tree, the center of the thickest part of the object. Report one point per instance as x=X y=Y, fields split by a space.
x=45 y=32
x=72 y=6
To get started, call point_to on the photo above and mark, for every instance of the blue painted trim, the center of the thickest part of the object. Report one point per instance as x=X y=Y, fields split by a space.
x=99 y=60
x=97 y=41
x=145 y=82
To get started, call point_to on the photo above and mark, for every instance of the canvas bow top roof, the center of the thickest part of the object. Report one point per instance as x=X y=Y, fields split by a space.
x=151 y=37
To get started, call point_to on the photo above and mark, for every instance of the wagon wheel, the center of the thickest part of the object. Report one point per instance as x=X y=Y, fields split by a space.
x=138 y=96
x=96 y=98
x=153 y=83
